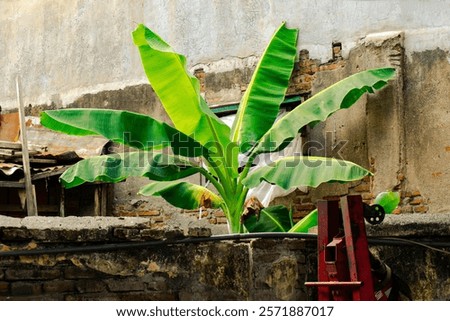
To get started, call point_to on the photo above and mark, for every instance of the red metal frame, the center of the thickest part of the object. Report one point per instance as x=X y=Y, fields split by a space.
x=344 y=271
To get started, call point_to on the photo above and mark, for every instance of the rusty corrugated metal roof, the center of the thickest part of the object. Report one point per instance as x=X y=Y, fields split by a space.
x=47 y=144
x=59 y=143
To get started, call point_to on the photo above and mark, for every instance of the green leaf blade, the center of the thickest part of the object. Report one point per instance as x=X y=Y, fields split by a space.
x=306 y=223
x=319 y=107
x=296 y=171
x=183 y=195
x=178 y=90
x=132 y=129
x=118 y=167
x=260 y=104
x=271 y=219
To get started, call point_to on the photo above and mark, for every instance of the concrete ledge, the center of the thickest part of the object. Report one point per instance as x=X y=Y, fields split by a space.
x=82 y=229
x=412 y=225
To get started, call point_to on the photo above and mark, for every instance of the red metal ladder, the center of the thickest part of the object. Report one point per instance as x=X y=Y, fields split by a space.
x=344 y=271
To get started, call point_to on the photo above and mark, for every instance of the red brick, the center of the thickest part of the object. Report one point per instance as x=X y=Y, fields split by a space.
x=90 y=286
x=26 y=288
x=4 y=287
x=305 y=207
x=367 y=196
x=364 y=187
x=417 y=201
x=407 y=209
x=420 y=209
x=31 y=274
x=125 y=285
x=221 y=220
x=219 y=214
x=306 y=200
x=73 y=272
x=59 y=286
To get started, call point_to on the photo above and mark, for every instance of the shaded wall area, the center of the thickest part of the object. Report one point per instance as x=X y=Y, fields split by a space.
x=107 y=259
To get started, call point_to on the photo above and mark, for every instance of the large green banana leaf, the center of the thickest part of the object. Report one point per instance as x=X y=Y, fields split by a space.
x=341 y=95
x=178 y=90
x=117 y=167
x=306 y=223
x=132 y=129
x=183 y=195
x=260 y=104
x=295 y=171
x=271 y=219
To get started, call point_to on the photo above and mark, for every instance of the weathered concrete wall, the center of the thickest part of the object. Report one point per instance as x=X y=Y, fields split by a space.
x=65 y=49
x=243 y=270
x=253 y=269
x=80 y=54
x=427 y=127
x=425 y=270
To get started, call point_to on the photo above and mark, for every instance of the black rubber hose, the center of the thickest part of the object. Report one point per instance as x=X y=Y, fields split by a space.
x=390 y=241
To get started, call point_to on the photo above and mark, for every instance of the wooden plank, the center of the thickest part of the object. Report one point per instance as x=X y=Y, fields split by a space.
x=18 y=146
x=46 y=174
x=10 y=145
x=12 y=184
x=7 y=152
x=62 y=208
x=31 y=198
x=97 y=204
x=43 y=161
x=104 y=189
x=33 y=160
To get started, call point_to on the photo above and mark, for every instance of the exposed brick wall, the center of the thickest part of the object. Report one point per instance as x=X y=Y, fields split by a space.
x=412 y=202
x=253 y=269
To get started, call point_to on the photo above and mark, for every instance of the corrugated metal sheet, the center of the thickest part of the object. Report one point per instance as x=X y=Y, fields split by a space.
x=58 y=143
x=55 y=144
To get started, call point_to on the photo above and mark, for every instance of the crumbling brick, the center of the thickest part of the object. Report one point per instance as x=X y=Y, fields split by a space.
x=26 y=288
x=59 y=286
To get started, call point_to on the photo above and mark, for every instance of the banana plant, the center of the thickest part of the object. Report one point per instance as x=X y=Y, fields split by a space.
x=201 y=143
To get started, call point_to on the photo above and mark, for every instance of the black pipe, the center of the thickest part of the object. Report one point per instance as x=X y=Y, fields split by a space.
x=390 y=241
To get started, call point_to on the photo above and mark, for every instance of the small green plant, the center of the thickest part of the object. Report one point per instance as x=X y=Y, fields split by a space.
x=201 y=143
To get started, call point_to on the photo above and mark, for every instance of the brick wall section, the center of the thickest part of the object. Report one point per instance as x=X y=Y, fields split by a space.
x=254 y=269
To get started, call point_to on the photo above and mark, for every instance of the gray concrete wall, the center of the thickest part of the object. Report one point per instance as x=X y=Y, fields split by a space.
x=64 y=49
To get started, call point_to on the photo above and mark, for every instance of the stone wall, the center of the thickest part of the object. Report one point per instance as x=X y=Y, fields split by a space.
x=89 y=60
x=255 y=269
x=131 y=259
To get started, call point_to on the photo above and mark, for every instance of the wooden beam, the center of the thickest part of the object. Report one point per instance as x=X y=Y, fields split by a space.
x=97 y=200
x=46 y=174
x=33 y=160
x=104 y=200
x=62 y=207
x=10 y=145
x=18 y=146
x=31 y=197
x=7 y=152
x=12 y=184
